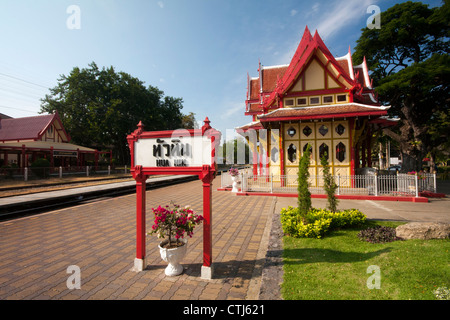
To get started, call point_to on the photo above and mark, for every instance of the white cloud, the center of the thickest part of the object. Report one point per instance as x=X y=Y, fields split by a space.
x=161 y=4
x=293 y=12
x=342 y=14
x=338 y=15
x=232 y=109
x=315 y=7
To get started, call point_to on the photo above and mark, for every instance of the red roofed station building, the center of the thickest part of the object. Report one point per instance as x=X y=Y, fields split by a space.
x=318 y=99
x=23 y=140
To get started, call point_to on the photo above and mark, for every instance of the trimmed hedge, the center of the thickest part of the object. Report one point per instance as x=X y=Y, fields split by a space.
x=319 y=221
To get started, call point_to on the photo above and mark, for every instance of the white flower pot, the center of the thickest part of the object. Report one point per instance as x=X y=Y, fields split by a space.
x=173 y=257
x=235 y=181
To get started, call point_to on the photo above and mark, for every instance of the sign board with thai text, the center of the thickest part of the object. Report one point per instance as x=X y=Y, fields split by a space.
x=173 y=151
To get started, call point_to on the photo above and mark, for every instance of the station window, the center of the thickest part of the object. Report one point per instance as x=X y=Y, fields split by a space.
x=341 y=98
x=314 y=100
x=302 y=102
x=289 y=102
x=328 y=99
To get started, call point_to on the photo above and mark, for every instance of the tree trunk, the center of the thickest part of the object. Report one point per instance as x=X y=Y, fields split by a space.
x=410 y=163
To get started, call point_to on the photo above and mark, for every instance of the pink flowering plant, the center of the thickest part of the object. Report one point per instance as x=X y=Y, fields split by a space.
x=233 y=172
x=174 y=223
x=419 y=175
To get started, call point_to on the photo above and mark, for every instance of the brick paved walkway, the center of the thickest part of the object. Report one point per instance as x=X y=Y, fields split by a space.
x=99 y=237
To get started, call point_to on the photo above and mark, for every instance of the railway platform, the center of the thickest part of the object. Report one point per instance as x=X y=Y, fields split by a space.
x=98 y=237
x=39 y=252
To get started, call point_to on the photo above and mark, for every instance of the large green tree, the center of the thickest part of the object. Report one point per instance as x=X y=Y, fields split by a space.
x=410 y=64
x=99 y=107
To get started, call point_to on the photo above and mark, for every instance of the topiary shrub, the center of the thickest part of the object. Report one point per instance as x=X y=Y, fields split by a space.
x=304 y=195
x=378 y=234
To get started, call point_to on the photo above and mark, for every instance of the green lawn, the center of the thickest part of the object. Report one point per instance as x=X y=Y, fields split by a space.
x=335 y=267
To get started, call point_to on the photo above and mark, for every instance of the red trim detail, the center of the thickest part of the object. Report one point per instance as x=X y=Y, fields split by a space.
x=325 y=116
x=316 y=92
x=344 y=197
x=351 y=125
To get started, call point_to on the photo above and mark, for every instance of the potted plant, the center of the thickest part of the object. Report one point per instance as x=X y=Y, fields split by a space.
x=172 y=224
x=234 y=173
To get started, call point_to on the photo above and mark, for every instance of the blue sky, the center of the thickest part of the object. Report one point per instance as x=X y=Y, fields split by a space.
x=199 y=50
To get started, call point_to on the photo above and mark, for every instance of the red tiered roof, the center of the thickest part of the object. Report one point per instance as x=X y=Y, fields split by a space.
x=323 y=112
x=276 y=81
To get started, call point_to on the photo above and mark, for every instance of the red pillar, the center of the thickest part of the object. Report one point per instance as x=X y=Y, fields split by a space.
x=281 y=153
x=139 y=262
x=207 y=235
x=207 y=177
x=52 y=162
x=22 y=165
x=363 y=154
x=369 y=147
x=96 y=159
x=351 y=124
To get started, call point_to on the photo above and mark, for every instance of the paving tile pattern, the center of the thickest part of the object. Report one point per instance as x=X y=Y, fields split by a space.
x=99 y=238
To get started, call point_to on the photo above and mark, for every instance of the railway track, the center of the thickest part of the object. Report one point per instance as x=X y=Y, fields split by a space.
x=22 y=209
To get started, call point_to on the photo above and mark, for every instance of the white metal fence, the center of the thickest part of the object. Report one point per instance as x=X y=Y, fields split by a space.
x=29 y=173
x=371 y=184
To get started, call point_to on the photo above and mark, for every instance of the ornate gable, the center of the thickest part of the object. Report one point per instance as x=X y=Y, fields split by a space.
x=313 y=73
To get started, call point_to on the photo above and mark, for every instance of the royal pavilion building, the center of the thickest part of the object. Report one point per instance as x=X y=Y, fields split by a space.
x=316 y=99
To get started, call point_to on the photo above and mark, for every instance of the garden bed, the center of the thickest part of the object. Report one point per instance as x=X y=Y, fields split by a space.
x=336 y=267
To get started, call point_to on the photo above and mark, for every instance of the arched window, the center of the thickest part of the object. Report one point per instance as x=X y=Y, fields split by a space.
x=340 y=151
x=323 y=150
x=292 y=153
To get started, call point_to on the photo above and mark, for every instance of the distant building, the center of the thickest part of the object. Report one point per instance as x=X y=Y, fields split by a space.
x=23 y=140
x=317 y=99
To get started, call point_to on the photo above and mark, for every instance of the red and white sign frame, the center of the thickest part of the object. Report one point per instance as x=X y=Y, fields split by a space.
x=205 y=169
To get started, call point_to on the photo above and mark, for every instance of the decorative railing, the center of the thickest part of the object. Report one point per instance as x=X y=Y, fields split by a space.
x=370 y=184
